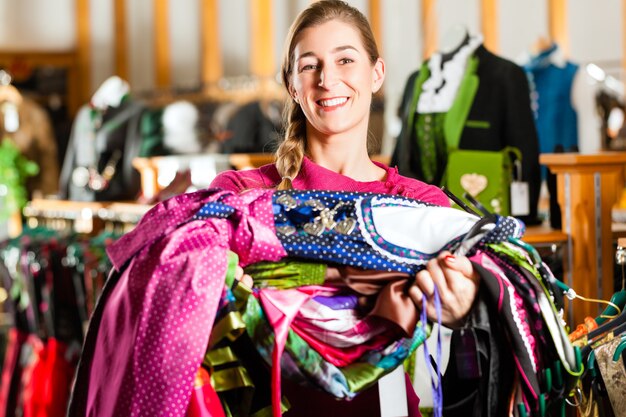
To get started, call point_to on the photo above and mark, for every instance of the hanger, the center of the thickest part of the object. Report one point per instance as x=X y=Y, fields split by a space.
x=618 y=324
x=619 y=298
x=458 y=201
x=614 y=306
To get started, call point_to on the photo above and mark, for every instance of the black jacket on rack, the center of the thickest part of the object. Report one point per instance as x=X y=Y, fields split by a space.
x=98 y=140
x=499 y=116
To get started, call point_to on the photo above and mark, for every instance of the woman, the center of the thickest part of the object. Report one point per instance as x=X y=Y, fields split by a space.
x=331 y=68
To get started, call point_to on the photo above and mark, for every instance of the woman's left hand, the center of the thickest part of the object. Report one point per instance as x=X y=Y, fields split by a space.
x=457 y=283
x=243 y=278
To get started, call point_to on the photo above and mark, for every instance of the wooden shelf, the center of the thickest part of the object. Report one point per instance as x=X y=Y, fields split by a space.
x=543 y=235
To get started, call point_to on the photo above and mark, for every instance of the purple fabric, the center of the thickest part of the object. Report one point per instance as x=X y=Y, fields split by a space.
x=436 y=382
x=316 y=177
x=157 y=319
x=339 y=302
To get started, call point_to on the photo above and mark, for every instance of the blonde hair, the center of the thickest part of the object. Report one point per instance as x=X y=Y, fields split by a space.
x=291 y=151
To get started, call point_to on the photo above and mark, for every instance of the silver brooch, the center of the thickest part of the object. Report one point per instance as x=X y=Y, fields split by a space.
x=286 y=230
x=287 y=201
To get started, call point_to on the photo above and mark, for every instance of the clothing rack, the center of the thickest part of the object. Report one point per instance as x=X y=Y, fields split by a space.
x=84 y=217
x=52 y=280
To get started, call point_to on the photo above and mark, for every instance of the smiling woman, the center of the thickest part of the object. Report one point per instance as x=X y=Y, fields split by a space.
x=331 y=67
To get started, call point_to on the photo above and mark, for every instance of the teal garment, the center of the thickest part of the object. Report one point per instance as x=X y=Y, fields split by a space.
x=551 y=94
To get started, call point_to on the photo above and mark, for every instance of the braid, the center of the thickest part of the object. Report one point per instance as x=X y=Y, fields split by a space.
x=290 y=153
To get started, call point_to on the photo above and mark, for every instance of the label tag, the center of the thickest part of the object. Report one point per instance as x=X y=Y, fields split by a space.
x=520 y=199
x=466 y=352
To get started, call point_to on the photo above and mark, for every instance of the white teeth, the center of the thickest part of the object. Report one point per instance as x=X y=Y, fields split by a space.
x=333 y=102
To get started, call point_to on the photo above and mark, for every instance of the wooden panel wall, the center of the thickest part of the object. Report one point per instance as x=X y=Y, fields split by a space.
x=211 y=51
x=376 y=19
x=262 y=43
x=429 y=28
x=83 y=50
x=557 y=24
x=162 y=55
x=489 y=24
x=262 y=46
x=121 y=39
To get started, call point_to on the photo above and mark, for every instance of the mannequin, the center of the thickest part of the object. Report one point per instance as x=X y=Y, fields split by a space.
x=10 y=101
x=470 y=99
x=541 y=44
x=455 y=37
x=110 y=94
x=105 y=137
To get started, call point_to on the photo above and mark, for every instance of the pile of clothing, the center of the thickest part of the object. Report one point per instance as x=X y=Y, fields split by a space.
x=328 y=306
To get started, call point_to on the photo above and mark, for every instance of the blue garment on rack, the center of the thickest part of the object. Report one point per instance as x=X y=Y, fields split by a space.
x=550 y=80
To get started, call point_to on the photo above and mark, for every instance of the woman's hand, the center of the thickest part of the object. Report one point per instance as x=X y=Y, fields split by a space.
x=244 y=279
x=457 y=283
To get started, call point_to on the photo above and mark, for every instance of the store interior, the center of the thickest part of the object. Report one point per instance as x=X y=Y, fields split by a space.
x=108 y=109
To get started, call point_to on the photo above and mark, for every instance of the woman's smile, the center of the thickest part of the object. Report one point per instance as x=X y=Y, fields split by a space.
x=330 y=104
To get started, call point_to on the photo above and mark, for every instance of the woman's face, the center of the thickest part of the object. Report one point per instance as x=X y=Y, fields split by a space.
x=333 y=78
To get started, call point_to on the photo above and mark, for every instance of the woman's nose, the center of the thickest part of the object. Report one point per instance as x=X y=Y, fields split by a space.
x=328 y=77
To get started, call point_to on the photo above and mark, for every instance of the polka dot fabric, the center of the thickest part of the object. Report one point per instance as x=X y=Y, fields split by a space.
x=349 y=249
x=505 y=227
x=154 y=325
x=363 y=247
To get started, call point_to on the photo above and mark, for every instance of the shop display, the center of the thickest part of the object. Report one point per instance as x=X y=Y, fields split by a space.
x=469 y=99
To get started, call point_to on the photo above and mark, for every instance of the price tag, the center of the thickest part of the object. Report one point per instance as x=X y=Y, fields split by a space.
x=520 y=199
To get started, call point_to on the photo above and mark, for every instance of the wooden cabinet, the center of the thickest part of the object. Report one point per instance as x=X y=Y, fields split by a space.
x=588 y=187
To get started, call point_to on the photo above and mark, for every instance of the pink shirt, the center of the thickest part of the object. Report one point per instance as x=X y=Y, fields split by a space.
x=316 y=177
x=306 y=402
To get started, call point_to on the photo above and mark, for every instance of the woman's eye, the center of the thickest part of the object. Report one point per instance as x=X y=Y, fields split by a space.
x=308 y=67
x=345 y=61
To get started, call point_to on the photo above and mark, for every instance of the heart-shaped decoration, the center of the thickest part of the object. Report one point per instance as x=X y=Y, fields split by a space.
x=315 y=229
x=474 y=183
x=286 y=230
x=316 y=204
x=346 y=226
